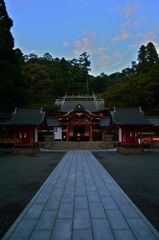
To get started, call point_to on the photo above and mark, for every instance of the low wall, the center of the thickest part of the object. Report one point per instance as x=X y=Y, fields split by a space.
x=25 y=151
x=155 y=144
x=130 y=151
x=48 y=145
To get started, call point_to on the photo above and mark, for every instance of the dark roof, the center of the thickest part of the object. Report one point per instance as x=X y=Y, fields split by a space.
x=104 y=122
x=81 y=109
x=52 y=122
x=31 y=117
x=154 y=120
x=89 y=105
x=129 y=116
x=5 y=117
x=79 y=98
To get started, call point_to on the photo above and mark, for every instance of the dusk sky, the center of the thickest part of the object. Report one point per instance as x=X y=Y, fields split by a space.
x=110 y=31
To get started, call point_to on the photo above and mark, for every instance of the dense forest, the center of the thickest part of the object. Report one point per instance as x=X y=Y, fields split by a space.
x=32 y=81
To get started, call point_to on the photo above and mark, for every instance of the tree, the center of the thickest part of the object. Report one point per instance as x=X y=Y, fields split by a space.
x=40 y=87
x=20 y=57
x=31 y=58
x=99 y=84
x=84 y=64
x=151 y=55
x=48 y=57
x=127 y=71
x=64 y=67
x=6 y=38
x=147 y=58
x=134 y=66
x=142 y=59
x=12 y=89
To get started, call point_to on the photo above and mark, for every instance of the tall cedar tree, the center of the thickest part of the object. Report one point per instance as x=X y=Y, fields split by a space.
x=147 y=58
x=151 y=55
x=11 y=86
x=6 y=38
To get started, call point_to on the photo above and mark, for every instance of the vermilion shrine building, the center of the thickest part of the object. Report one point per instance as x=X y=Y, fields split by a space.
x=132 y=126
x=25 y=125
x=80 y=118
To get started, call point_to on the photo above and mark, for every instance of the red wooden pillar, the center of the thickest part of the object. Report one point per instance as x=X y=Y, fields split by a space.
x=15 y=138
x=67 y=133
x=7 y=137
x=31 y=136
x=141 y=138
x=90 y=133
x=102 y=134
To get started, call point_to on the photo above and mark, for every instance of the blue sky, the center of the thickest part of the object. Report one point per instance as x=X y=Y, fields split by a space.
x=110 y=31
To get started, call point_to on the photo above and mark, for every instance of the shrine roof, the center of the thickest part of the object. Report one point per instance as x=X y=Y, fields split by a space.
x=104 y=122
x=80 y=111
x=29 y=117
x=5 y=117
x=154 y=120
x=129 y=116
x=89 y=105
x=52 y=122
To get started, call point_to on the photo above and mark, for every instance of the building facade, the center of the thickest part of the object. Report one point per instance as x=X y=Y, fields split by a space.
x=79 y=118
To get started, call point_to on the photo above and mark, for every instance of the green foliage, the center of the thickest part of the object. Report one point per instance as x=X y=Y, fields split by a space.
x=39 y=85
x=51 y=110
x=12 y=91
x=136 y=86
x=100 y=83
x=12 y=86
x=140 y=90
x=6 y=38
x=147 y=58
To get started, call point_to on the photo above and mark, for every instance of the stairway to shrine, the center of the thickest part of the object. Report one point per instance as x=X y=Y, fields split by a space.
x=79 y=145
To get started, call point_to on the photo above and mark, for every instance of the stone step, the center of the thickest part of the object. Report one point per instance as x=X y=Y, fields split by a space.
x=78 y=145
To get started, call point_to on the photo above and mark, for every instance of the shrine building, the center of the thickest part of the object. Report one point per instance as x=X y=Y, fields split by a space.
x=25 y=125
x=131 y=124
x=80 y=117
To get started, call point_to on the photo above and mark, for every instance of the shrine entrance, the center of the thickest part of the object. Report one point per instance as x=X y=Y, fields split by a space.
x=80 y=133
x=79 y=129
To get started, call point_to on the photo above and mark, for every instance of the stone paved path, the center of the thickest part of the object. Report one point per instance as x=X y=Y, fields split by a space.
x=80 y=201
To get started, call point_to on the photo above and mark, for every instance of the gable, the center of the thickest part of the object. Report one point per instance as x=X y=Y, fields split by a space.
x=29 y=117
x=129 y=116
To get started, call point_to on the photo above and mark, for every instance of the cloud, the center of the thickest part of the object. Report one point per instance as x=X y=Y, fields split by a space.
x=35 y=51
x=89 y=45
x=147 y=36
x=66 y=44
x=143 y=38
x=83 y=45
x=102 y=54
x=107 y=61
x=124 y=33
x=129 y=10
x=132 y=46
x=100 y=50
x=122 y=36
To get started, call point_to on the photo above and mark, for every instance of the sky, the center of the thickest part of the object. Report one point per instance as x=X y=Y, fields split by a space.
x=110 y=31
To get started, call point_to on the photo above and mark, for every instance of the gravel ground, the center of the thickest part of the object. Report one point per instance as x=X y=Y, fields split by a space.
x=20 y=178
x=138 y=176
